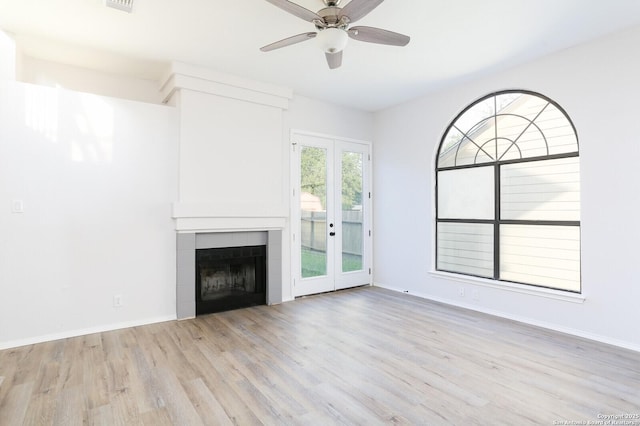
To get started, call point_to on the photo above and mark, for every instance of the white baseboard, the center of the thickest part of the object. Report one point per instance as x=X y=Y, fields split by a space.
x=525 y=320
x=83 y=332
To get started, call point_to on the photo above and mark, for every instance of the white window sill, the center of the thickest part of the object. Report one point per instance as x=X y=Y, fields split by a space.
x=516 y=288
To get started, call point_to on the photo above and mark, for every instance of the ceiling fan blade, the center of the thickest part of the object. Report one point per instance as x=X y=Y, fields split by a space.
x=288 y=41
x=296 y=10
x=378 y=35
x=334 y=59
x=357 y=9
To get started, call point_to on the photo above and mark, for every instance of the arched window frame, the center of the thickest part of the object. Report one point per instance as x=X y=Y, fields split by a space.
x=497 y=162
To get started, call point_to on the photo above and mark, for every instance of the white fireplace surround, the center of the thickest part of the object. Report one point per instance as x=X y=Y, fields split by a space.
x=231 y=184
x=188 y=243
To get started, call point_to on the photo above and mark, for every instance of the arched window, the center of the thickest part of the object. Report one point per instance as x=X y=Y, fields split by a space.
x=508 y=193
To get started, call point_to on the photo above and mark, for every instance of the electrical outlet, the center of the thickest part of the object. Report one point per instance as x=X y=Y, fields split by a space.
x=461 y=291
x=17 y=206
x=117 y=301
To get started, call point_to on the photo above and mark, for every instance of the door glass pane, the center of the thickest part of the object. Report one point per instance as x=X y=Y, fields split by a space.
x=352 y=227
x=313 y=212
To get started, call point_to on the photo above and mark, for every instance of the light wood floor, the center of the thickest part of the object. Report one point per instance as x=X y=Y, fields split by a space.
x=366 y=356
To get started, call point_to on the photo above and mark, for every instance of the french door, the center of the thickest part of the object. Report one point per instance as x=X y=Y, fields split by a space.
x=331 y=214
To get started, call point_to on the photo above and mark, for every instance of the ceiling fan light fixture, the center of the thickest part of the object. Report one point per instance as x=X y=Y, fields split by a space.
x=332 y=40
x=332 y=25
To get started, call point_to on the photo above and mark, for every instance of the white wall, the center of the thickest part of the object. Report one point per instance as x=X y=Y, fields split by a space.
x=230 y=154
x=597 y=85
x=311 y=115
x=97 y=177
x=7 y=57
x=55 y=74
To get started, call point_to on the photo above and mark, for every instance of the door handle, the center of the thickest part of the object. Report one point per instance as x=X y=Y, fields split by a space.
x=332 y=234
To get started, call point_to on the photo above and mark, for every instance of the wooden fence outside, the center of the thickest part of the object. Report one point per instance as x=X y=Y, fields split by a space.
x=314 y=231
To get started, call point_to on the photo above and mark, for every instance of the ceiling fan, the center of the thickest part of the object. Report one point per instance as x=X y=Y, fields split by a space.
x=332 y=24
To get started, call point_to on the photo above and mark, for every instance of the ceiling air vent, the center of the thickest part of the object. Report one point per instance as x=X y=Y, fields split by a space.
x=125 y=5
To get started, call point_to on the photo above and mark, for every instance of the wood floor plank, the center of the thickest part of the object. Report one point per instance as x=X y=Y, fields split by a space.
x=127 y=394
x=210 y=410
x=28 y=363
x=143 y=385
x=175 y=401
x=70 y=408
x=123 y=407
x=14 y=407
x=363 y=356
x=101 y=416
x=158 y=417
x=95 y=380
x=42 y=408
x=233 y=404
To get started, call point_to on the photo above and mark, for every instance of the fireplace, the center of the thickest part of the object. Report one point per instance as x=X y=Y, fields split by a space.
x=230 y=278
x=268 y=269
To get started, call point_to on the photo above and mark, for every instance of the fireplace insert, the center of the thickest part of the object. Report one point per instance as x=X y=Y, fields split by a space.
x=230 y=278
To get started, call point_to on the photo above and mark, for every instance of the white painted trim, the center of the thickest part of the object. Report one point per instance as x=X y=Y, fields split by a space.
x=524 y=320
x=230 y=79
x=284 y=301
x=184 y=76
x=183 y=210
x=513 y=287
x=83 y=332
x=167 y=88
x=325 y=136
x=211 y=217
x=224 y=224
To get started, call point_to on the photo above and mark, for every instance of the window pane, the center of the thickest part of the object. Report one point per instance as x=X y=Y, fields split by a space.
x=466 y=248
x=505 y=127
x=511 y=126
x=352 y=232
x=313 y=211
x=470 y=140
x=541 y=190
x=548 y=256
x=531 y=143
x=523 y=105
x=557 y=130
x=478 y=145
x=472 y=119
x=449 y=148
x=466 y=193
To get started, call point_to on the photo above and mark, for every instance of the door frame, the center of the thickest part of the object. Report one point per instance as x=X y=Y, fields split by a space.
x=295 y=207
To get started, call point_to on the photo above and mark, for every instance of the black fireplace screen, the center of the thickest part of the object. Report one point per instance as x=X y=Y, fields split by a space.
x=230 y=278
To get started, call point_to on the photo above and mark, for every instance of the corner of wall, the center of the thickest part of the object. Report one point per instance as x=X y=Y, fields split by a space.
x=7 y=57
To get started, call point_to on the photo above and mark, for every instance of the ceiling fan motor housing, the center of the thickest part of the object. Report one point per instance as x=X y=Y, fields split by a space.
x=331 y=18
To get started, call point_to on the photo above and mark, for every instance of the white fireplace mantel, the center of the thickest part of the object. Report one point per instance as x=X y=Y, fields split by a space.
x=211 y=217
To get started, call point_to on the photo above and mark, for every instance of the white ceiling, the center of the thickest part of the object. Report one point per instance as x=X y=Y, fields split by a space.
x=451 y=40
